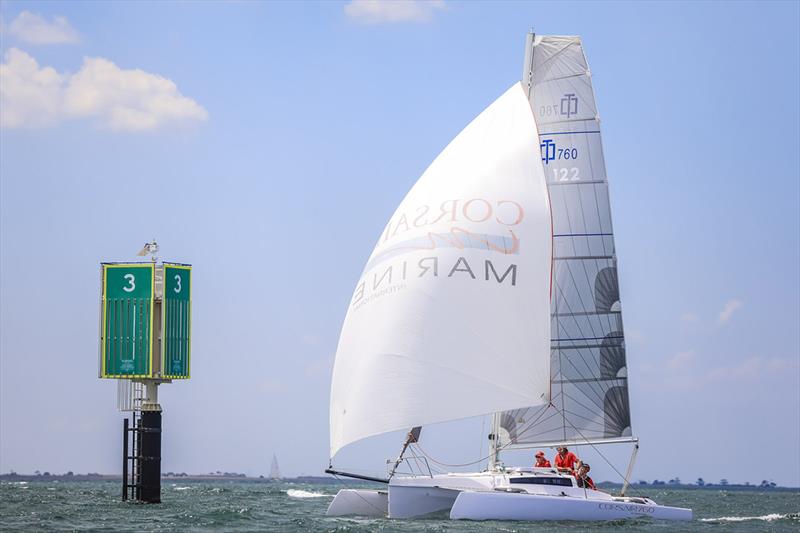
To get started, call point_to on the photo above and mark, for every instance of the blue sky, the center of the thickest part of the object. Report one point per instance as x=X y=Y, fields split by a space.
x=268 y=143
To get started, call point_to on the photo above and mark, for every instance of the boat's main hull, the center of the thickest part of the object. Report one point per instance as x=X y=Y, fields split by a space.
x=497 y=496
x=521 y=506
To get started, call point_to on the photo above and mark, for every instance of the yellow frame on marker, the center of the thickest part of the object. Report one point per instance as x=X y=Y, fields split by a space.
x=164 y=323
x=105 y=267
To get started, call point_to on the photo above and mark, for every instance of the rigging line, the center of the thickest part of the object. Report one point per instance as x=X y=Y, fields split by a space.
x=529 y=425
x=576 y=339
x=569 y=269
x=501 y=448
x=419 y=467
x=618 y=404
x=529 y=435
x=574 y=316
x=360 y=496
x=598 y=424
x=577 y=402
x=483 y=432
x=600 y=454
x=602 y=241
x=599 y=219
x=568 y=132
x=569 y=76
x=579 y=350
x=552 y=57
x=588 y=243
x=580 y=301
x=586 y=235
x=423 y=452
x=590 y=386
x=607 y=202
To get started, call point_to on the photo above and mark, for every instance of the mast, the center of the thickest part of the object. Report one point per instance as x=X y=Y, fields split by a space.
x=494 y=443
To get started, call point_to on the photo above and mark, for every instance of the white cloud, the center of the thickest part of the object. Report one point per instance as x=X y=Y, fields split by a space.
x=389 y=11
x=124 y=100
x=730 y=307
x=752 y=368
x=35 y=29
x=681 y=360
x=29 y=95
x=689 y=317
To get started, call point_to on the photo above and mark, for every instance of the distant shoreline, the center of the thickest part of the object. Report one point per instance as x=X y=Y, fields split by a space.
x=317 y=480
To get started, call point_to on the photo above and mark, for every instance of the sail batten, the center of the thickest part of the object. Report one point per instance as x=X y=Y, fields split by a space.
x=450 y=318
x=588 y=361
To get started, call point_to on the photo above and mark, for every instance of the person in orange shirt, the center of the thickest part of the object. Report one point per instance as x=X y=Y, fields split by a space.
x=565 y=460
x=582 y=475
x=541 y=462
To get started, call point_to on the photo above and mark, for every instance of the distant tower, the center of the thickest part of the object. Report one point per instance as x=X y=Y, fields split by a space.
x=274 y=470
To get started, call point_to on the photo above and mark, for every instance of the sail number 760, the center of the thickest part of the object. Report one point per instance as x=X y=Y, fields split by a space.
x=551 y=152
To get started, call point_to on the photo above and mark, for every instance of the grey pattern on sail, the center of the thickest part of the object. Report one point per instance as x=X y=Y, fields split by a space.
x=589 y=394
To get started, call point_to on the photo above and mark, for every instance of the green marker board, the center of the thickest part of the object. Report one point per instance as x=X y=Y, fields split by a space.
x=177 y=320
x=126 y=327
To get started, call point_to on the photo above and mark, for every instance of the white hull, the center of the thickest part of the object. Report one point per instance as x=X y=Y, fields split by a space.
x=523 y=506
x=410 y=502
x=509 y=495
x=371 y=503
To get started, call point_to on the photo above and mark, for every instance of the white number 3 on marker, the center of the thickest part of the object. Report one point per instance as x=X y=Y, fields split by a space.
x=131 y=283
x=178 y=279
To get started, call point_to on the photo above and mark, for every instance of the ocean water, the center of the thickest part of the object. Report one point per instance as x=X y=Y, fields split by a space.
x=289 y=507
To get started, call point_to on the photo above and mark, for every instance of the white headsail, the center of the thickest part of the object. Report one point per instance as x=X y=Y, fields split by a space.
x=450 y=318
x=589 y=368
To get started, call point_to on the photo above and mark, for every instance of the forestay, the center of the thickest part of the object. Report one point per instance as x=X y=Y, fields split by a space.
x=588 y=366
x=450 y=317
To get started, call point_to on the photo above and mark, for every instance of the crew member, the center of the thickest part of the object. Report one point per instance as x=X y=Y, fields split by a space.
x=541 y=461
x=582 y=475
x=565 y=460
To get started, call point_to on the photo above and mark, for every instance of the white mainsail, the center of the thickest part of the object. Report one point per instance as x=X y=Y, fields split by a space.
x=450 y=318
x=589 y=368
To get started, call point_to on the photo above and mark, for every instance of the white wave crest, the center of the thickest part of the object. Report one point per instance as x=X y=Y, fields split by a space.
x=765 y=518
x=297 y=493
x=181 y=488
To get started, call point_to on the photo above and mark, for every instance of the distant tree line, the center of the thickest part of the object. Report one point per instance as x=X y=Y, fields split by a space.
x=702 y=483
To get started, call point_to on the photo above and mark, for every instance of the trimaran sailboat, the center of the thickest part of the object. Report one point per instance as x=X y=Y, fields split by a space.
x=493 y=289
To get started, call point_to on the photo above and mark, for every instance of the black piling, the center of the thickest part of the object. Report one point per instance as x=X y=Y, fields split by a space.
x=125 y=459
x=150 y=457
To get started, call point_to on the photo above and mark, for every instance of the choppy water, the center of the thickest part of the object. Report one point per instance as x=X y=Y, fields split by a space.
x=288 y=507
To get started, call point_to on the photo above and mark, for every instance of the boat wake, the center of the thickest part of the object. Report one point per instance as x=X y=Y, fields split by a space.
x=297 y=493
x=764 y=518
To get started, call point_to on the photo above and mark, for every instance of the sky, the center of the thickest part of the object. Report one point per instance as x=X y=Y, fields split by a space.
x=267 y=144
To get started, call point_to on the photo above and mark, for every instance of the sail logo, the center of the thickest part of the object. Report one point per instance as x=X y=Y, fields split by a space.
x=396 y=277
x=551 y=152
x=569 y=105
x=548 y=148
